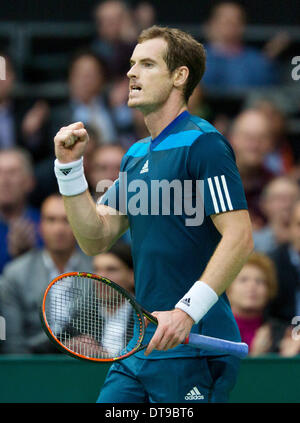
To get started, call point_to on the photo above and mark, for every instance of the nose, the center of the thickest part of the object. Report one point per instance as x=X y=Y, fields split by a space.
x=132 y=73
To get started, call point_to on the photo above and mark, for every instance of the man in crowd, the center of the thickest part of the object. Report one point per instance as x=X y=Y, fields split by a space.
x=115 y=37
x=286 y=305
x=230 y=64
x=87 y=101
x=251 y=138
x=105 y=165
x=21 y=122
x=25 y=279
x=277 y=201
x=18 y=221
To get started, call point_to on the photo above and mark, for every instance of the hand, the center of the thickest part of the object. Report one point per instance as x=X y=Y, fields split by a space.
x=262 y=341
x=173 y=327
x=20 y=237
x=35 y=118
x=70 y=142
x=289 y=347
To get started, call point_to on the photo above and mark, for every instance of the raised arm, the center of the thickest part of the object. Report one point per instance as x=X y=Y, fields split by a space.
x=96 y=228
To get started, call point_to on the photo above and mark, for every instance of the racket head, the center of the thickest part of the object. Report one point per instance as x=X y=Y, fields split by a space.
x=63 y=341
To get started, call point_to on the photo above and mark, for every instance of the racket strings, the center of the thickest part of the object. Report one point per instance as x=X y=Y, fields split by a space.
x=90 y=318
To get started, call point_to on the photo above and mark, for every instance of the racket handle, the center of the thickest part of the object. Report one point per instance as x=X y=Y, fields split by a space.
x=238 y=349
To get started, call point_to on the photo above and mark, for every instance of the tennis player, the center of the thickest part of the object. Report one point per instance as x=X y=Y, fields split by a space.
x=181 y=269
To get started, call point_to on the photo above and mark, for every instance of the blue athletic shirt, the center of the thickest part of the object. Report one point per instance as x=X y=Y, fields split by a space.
x=168 y=255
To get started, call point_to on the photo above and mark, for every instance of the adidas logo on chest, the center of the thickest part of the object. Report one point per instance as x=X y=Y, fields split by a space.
x=145 y=167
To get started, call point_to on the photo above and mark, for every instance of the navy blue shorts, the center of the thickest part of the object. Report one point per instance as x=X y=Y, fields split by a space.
x=173 y=380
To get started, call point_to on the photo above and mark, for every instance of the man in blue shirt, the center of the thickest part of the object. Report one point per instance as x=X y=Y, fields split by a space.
x=230 y=63
x=182 y=264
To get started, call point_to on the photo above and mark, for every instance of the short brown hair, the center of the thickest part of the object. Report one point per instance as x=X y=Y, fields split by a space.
x=183 y=50
x=267 y=266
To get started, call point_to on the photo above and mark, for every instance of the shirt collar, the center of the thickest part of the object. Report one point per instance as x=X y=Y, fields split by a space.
x=72 y=263
x=168 y=129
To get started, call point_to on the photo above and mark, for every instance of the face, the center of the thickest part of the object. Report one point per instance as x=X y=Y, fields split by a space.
x=109 y=19
x=227 y=24
x=105 y=165
x=248 y=293
x=251 y=138
x=15 y=180
x=111 y=267
x=295 y=227
x=55 y=229
x=279 y=200
x=150 y=80
x=86 y=79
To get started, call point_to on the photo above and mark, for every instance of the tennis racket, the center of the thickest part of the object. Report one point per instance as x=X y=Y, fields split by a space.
x=92 y=318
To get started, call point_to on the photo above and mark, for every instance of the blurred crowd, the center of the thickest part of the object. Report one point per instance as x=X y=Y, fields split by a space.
x=36 y=241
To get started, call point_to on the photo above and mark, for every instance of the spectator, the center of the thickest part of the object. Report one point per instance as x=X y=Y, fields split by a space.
x=280 y=159
x=21 y=124
x=251 y=138
x=18 y=220
x=277 y=201
x=145 y=15
x=286 y=305
x=105 y=164
x=114 y=44
x=116 y=265
x=25 y=279
x=87 y=102
x=231 y=64
x=249 y=295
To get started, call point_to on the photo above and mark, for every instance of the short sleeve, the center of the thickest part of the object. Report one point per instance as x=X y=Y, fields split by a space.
x=212 y=160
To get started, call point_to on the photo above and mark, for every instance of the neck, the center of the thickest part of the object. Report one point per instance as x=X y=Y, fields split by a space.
x=280 y=230
x=12 y=211
x=156 y=121
x=247 y=314
x=227 y=45
x=60 y=259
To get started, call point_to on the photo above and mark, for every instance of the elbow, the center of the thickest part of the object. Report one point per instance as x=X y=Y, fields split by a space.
x=92 y=250
x=247 y=242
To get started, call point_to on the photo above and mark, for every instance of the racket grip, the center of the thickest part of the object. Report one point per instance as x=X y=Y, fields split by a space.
x=238 y=349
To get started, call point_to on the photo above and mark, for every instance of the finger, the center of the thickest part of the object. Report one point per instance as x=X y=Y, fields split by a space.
x=158 y=335
x=80 y=133
x=172 y=344
x=75 y=125
x=146 y=322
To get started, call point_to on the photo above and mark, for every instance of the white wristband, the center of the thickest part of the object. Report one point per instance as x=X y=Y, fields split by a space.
x=70 y=177
x=198 y=300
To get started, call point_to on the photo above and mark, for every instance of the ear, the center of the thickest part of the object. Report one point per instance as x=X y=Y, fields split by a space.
x=180 y=76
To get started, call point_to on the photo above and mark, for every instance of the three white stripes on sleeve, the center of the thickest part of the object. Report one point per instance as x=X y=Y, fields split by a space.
x=218 y=195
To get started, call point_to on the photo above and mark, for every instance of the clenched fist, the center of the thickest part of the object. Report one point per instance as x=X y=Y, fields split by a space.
x=70 y=142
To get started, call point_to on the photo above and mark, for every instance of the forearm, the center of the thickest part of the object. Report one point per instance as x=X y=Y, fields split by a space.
x=227 y=261
x=90 y=229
